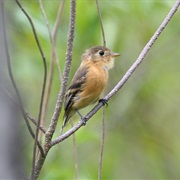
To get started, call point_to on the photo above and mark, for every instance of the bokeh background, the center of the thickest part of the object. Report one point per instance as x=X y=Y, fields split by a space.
x=142 y=121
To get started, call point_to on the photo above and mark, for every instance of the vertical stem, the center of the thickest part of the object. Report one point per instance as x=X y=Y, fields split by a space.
x=47 y=145
x=102 y=146
x=75 y=154
x=60 y=99
x=53 y=56
x=100 y=19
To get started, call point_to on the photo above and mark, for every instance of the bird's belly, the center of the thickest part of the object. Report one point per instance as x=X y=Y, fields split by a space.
x=82 y=100
x=91 y=90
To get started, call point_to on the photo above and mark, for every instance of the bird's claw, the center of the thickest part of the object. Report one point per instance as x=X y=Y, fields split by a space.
x=84 y=119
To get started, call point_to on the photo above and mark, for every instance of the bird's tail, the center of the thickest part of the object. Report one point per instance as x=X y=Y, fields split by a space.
x=67 y=116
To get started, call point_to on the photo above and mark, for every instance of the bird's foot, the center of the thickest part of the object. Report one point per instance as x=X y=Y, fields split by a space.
x=84 y=119
x=104 y=102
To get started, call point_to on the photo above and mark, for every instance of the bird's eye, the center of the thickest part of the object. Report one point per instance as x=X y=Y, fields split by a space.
x=101 y=53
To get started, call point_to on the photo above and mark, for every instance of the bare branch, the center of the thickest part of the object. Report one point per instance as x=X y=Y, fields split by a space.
x=43 y=86
x=53 y=52
x=100 y=19
x=34 y=121
x=11 y=73
x=14 y=84
x=54 y=120
x=145 y=50
x=58 y=19
x=52 y=37
x=66 y=70
x=125 y=77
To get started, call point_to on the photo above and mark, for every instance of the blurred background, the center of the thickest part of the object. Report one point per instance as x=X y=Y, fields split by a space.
x=142 y=121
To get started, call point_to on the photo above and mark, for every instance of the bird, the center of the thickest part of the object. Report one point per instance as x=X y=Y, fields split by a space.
x=89 y=81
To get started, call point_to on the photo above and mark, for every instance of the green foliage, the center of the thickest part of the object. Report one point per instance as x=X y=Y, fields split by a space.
x=142 y=119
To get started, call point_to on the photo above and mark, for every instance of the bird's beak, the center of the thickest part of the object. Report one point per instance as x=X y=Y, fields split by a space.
x=115 y=54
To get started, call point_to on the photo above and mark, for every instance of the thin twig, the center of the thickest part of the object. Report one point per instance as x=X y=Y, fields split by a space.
x=100 y=19
x=61 y=94
x=103 y=124
x=52 y=37
x=125 y=77
x=14 y=83
x=43 y=86
x=44 y=107
x=75 y=154
x=57 y=22
x=102 y=146
x=34 y=121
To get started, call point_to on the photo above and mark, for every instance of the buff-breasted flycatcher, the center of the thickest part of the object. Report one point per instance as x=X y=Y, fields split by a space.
x=89 y=80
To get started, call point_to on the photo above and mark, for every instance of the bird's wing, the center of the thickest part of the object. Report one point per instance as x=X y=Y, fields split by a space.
x=76 y=86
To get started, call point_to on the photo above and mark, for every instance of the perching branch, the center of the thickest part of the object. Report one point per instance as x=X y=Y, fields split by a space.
x=125 y=77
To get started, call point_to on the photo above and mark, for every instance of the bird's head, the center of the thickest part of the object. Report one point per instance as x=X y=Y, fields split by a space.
x=101 y=56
